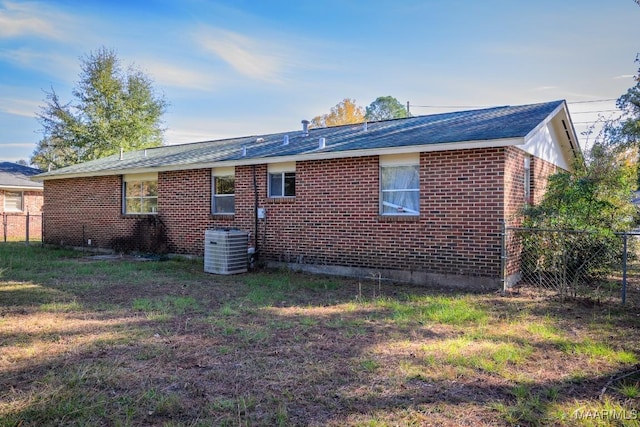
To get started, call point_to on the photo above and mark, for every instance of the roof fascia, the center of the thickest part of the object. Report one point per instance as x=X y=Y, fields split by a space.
x=20 y=188
x=320 y=155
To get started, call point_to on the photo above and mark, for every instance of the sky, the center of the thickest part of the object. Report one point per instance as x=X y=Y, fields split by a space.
x=241 y=67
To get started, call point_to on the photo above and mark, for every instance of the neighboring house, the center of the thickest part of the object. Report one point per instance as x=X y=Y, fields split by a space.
x=421 y=199
x=19 y=195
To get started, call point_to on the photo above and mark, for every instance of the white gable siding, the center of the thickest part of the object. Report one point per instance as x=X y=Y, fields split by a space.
x=545 y=144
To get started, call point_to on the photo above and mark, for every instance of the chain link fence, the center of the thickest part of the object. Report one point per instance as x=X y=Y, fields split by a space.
x=570 y=263
x=19 y=227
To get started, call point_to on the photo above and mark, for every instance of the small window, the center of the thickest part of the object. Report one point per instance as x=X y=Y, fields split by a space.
x=141 y=194
x=399 y=185
x=13 y=201
x=223 y=191
x=282 y=180
x=282 y=184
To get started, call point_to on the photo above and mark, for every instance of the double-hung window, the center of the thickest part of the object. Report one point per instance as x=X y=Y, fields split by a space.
x=400 y=184
x=140 y=193
x=13 y=201
x=282 y=179
x=223 y=183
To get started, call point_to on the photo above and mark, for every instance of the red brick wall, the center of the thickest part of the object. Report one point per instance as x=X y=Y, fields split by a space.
x=14 y=224
x=462 y=206
x=86 y=208
x=332 y=220
x=540 y=171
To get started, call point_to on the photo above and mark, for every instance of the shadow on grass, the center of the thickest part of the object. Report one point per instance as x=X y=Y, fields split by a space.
x=276 y=348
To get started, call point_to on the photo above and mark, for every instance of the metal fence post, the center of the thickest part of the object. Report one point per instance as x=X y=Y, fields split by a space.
x=27 y=230
x=4 y=226
x=624 y=268
x=503 y=258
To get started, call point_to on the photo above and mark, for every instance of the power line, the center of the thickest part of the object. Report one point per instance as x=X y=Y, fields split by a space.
x=596 y=111
x=489 y=106
x=574 y=113
x=451 y=106
x=595 y=100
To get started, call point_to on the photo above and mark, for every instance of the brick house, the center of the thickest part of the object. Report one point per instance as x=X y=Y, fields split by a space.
x=421 y=199
x=19 y=196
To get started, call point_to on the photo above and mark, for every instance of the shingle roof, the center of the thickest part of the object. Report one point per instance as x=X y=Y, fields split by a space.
x=13 y=175
x=465 y=126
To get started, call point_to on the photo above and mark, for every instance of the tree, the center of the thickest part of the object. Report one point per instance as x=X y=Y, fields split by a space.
x=594 y=202
x=596 y=196
x=112 y=109
x=625 y=132
x=344 y=113
x=385 y=108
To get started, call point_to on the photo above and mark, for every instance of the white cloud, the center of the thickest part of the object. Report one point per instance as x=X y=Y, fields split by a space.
x=544 y=88
x=254 y=58
x=19 y=107
x=166 y=74
x=17 y=144
x=54 y=64
x=31 y=18
x=624 y=77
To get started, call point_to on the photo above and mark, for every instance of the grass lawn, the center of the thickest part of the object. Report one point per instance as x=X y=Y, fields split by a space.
x=131 y=343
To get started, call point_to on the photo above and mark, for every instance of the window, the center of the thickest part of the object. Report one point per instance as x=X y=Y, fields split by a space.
x=400 y=185
x=13 y=201
x=282 y=180
x=223 y=201
x=527 y=179
x=141 y=194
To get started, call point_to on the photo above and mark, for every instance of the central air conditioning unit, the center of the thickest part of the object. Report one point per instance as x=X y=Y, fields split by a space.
x=225 y=251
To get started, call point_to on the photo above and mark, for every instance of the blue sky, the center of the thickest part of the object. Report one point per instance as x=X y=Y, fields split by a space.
x=235 y=68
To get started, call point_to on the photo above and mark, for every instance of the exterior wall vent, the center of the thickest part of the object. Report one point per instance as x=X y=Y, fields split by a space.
x=225 y=251
x=322 y=142
x=305 y=127
x=285 y=140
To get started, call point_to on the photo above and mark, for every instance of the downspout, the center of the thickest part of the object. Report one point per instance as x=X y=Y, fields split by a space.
x=255 y=212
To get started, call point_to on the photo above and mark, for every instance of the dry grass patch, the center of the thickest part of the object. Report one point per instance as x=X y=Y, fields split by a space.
x=165 y=344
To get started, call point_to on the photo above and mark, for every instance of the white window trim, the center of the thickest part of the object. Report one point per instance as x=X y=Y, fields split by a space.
x=219 y=173
x=398 y=160
x=7 y=209
x=145 y=177
x=280 y=169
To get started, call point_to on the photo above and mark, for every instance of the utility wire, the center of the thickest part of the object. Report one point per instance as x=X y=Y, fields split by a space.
x=595 y=100
x=595 y=111
x=568 y=102
x=488 y=106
